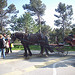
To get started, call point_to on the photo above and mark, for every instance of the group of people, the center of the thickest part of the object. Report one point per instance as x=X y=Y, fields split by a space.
x=5 y=45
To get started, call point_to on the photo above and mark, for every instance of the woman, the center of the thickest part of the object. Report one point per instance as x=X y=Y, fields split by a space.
x=8 y=44
x=2 y=46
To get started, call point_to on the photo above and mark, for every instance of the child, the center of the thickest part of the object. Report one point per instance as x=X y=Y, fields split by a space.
x=2 y=48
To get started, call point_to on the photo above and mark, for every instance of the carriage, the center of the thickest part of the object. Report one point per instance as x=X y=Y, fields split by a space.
x=62 y=49
x=40 y=39
x=70 y=40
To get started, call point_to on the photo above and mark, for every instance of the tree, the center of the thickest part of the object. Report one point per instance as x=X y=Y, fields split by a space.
x=55 y=35
x=13 y=23
x=73 y=31
x=64 y=16
x=4 y=11
x=24 y=23
x=45 y=29
x=27 y=22
x=36 y=8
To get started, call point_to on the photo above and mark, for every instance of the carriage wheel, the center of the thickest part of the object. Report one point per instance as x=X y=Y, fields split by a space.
x=63 y=51
x=56 y=50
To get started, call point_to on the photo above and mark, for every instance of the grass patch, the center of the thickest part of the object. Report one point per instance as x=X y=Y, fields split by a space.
x=34 y=47
x=71 y=48
x=20 y=47
x=37 y=47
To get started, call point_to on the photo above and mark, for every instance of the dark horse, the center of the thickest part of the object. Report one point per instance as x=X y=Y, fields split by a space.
x=31 y=39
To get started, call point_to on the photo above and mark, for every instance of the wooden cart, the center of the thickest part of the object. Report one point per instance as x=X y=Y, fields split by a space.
x=60 y=49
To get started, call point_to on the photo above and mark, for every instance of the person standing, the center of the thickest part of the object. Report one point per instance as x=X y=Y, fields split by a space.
x=9 y=40
x=8 y=44
x=2 y=46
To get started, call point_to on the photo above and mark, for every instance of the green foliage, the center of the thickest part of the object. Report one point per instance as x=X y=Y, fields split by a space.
x=56 y=33
x=11 y=8
x=67 y=31
x=64 y=17
x=27 y=24
x=24 y=23
x=4 y=10
x=36 y=8
x=45 y=29
x=70 y=48
x=3 y=4
x=13 y=23
x=73 y=31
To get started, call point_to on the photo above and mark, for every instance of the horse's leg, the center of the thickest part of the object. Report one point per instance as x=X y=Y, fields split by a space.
x=25 y=51
x=41 y=50
x=29 y=50
x=46 y=52
x=50 y=48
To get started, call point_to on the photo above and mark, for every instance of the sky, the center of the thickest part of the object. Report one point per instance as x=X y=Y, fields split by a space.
x=51 y=5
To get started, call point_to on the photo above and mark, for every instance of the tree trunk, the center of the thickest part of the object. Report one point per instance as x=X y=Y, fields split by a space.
x=39 y=22
x=26 y=30
x=1 y=26
x=63 y=32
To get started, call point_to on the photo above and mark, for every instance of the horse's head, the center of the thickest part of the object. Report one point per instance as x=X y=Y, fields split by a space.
x=13 y=37
x=17 y=35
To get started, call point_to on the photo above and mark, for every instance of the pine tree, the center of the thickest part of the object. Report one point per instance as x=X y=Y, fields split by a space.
x=64 y=16
x=4 y=12
x=37 y=8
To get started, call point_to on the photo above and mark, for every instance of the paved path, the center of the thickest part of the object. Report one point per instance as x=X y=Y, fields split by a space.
x=16 y=64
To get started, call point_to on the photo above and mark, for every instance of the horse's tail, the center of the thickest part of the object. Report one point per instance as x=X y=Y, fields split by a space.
x=50 y=48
